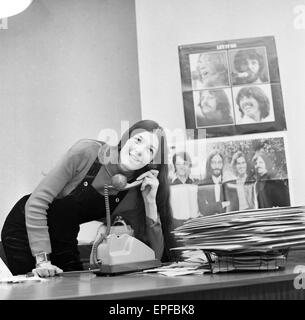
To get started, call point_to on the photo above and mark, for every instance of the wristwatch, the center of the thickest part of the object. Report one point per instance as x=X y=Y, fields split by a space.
x=42 y=257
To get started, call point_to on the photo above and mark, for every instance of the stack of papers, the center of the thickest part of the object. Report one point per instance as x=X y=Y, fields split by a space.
x=245 y=240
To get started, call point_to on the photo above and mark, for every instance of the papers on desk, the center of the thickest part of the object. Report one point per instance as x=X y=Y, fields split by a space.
x=7 y=277
x=194 y=262
x=238 y=231
x=245 y=240
x=194 y=256
x=22 y=279
x=179 y=269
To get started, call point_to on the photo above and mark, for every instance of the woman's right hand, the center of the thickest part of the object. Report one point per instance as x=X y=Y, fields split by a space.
x=225 y=204
x=46 y=269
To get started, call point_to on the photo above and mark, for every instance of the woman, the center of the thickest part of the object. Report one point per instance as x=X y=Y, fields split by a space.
x=240 y=192
x=47 y=221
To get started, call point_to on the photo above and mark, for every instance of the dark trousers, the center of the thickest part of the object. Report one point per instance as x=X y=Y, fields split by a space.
x=64 y=217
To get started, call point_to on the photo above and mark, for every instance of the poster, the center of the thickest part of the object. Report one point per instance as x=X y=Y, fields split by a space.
x=232 y=87
x=230 y=174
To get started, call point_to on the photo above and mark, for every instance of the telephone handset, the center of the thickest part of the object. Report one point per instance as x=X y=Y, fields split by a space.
x=119 y=181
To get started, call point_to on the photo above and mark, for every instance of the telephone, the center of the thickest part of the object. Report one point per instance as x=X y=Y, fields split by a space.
x=117 y=251
x=119 y=182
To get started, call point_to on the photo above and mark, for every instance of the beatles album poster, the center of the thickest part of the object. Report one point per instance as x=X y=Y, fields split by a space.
x=232 y=87
x=227 y=174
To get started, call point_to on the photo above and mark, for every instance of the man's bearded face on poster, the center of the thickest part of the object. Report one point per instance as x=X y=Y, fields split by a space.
x=216 y=165
x=250 y=71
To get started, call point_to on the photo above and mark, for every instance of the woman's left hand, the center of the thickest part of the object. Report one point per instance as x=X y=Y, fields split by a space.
x=149 y=186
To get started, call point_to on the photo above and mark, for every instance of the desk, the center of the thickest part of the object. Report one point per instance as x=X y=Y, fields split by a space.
x=252 y=285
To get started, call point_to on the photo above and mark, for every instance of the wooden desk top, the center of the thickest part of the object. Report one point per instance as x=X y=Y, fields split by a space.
x=137 y=285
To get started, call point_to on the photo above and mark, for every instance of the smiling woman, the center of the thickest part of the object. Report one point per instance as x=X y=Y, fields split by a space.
x=41 y=230
x=139 y=150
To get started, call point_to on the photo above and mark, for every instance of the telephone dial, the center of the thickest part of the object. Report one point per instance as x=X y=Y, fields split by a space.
x=117 y=250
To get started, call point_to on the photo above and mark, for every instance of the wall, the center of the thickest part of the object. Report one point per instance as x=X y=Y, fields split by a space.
x=67 y=70
x=163 y=25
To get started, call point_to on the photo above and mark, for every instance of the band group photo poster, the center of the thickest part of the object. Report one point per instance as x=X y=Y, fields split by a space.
x=210 y=176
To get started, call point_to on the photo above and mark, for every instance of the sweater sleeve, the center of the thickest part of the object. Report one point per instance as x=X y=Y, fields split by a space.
x=51 y=185
x=155 y=236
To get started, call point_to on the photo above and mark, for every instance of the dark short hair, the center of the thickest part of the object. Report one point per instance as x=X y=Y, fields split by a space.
x=184 y=155
x=222 y=102
x=259 y=95
x=243 y=55
x=266 y=159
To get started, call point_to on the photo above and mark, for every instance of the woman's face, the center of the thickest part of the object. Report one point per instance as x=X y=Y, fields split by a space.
x=241 y=166
x=208 y=103
x=139 y=150
x=250 y=107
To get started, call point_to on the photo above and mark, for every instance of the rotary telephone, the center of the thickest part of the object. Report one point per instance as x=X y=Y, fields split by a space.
x=116 y=250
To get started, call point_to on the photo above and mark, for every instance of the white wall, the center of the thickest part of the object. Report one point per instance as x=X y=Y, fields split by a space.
x=164 y=25
x=67 y=70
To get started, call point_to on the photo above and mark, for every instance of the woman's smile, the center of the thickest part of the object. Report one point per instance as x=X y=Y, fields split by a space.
x=134 y=158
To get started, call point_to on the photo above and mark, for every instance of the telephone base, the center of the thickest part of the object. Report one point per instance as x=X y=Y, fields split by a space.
x=106 y=269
